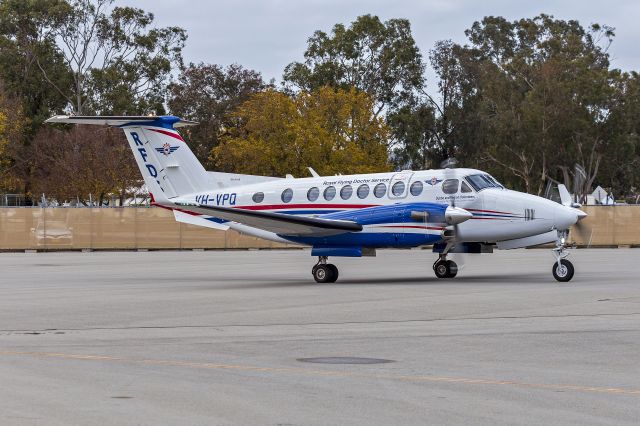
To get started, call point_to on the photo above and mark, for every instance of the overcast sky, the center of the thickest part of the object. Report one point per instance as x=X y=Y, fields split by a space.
x=266 y=35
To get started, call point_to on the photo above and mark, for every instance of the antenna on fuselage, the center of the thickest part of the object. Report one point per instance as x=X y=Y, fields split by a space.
x=449 y=163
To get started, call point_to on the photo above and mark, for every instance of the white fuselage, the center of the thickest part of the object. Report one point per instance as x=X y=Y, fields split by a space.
x=499 y=214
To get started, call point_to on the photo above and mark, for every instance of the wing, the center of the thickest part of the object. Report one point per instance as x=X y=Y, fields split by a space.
x=281 y=224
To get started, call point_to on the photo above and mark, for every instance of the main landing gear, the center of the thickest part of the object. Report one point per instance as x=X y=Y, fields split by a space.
x=445 y=268
x=562 y=269
x=324 y=272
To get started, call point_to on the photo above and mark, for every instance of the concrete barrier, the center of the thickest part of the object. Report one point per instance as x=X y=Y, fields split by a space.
x=154 y=228
x=609 y=226
x=112 y=228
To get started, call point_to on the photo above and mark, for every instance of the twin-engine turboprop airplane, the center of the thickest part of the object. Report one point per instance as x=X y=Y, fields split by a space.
x=455 y=210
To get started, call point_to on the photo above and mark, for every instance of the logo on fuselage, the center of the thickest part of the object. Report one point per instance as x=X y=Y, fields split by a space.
x=167 y=149
x=434 y=181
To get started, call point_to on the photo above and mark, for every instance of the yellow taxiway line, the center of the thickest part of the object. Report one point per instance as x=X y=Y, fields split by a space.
x=324 y=373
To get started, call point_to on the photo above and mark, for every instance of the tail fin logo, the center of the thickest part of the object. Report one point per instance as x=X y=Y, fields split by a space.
x=167 y=149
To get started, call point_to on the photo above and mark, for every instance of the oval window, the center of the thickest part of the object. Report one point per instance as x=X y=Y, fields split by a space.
x=363 y=191
x=258 y=197
x=313 y=194
x=450 y=186
x=416 y=188
x=346 y=192
x=398 y=188
x=287 y=195
x=379 y=190
x=330 y=193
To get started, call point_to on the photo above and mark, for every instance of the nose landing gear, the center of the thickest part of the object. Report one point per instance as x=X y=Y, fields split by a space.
x=562 y=269
x=324 y=272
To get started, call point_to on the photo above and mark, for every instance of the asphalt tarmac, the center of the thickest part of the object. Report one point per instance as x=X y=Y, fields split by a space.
x=248 y=338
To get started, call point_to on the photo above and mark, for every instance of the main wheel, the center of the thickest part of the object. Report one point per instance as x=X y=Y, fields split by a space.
x=441 y=268
x=453 y=268
x=564 y=271
x=334 y=272
x=324 y=273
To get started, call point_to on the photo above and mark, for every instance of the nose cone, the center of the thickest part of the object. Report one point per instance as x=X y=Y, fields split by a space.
x=456 y=215
x=565 y=217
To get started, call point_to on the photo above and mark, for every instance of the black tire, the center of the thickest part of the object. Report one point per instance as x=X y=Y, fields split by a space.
x=564 y=271
x=322 y=273
x=453 y=268
x=441 y=269
x=334 y=272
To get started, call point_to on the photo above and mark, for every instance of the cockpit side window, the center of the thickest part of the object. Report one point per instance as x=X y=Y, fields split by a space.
x=492 y=179
x=450 y=186
x=464 y=187
x=478 y=183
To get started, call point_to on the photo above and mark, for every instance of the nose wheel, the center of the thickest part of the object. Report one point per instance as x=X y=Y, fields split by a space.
x=324 y=272
x=562 y=269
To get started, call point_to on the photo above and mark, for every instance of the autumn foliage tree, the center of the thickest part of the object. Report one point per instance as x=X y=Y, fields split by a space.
x=85 y=160
x=332 y=130
x=208 y=93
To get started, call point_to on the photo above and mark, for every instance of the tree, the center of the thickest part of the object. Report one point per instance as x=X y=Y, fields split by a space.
x=543 y=96
x=207 y=94
x=119 y=63
x=85 y=160
x=378 y=58
x=11 y=125
x=333 y=131
x=432 y=128
x=26 y=47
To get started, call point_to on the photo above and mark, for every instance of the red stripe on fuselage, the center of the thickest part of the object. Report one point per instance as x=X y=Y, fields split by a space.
x=176 y=209
x=168 y=133
x=307 y=206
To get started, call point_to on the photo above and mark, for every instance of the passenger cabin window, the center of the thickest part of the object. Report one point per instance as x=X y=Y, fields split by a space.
x=346 y=192
x=258 y=197
x=450 y=186
x=482 y=181
x=313 y=194
x=465 y=188
x=379 y=190
x=398 y=188
x=416 y=188
x=329 y=193
x=287 y=195
x=363 y=191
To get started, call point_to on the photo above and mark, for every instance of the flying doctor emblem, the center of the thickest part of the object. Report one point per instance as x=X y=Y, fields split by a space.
x=434 y=181
x=167 y=149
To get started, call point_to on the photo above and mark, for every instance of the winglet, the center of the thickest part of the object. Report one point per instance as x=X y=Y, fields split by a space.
x=313 y=172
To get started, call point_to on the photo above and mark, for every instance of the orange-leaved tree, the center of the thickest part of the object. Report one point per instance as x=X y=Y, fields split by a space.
x=332 y=130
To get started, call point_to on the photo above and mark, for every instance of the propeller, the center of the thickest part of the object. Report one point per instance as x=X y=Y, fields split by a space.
x=581 y=228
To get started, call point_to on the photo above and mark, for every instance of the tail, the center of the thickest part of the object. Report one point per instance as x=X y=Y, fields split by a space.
x=168 y=166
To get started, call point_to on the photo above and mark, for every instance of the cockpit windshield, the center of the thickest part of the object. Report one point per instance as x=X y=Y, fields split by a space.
x=483 y=181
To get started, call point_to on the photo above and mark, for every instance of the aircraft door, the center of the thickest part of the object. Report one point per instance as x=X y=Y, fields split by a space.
x=399 y=185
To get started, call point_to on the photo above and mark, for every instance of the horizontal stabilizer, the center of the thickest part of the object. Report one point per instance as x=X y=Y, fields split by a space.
x=278 y=223
x=117 y=121
x=198 y=221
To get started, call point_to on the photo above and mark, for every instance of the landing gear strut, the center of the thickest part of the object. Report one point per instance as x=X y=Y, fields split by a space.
x=445 y=268
x=562 y=269
x=324 y=272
